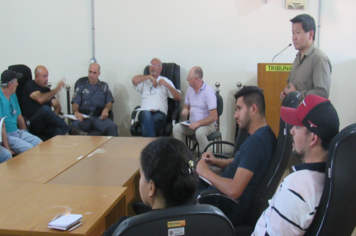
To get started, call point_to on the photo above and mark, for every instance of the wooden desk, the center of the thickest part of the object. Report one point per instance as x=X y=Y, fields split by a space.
x=45 y=161
x=100 y=207
x=115 y=163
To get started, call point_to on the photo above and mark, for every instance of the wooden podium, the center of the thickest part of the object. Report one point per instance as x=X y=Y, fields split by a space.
x=272 y=78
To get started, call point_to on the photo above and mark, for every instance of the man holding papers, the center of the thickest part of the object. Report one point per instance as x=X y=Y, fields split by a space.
x=242 y=173
x=201 y=105
x=38 y=101
x=154 y=90
x=94 y=98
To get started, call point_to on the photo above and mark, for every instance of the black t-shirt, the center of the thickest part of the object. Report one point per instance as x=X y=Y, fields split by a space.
x=30 y=106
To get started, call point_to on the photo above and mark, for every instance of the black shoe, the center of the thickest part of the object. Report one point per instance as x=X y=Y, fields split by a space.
x=77 y=132
x=140 y=207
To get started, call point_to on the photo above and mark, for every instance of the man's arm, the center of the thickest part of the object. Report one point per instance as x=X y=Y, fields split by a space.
x=211 y=160
x=207 y=121
x=56 y=106
x=140 y=78
x=231 y=187
x=105 y=112
x=5 y=142
x=77 y=114
x=45 y=97
x=21 y=122
x=175 y=93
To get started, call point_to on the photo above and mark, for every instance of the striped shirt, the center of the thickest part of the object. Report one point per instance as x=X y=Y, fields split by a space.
x=293 y=206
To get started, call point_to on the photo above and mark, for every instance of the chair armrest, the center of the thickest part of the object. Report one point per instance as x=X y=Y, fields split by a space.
x=219 y=142
x=133 y=114
x=175 y=115
x=215 y=192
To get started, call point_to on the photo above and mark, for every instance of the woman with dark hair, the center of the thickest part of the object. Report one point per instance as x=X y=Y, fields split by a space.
x=168 y=178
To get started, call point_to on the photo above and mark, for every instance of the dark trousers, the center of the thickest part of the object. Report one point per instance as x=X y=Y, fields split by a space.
x=151 y=122
x=107 y=126
x=45 y=121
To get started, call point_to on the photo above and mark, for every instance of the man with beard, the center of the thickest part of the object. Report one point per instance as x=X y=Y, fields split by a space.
x=242 y=173
x=293 y=207
x=154 y=89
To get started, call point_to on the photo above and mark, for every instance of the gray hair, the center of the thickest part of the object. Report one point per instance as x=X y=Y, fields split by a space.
x=5 y=85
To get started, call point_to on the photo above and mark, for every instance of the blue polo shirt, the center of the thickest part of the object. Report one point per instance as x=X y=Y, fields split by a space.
x=10 y=109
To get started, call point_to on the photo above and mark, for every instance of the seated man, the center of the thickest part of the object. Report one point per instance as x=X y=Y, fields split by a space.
x=154 y=90
x=19 y=140
x=243 y=172
x=37 y=103
x=293 y=206
x=200 y=103
x=94 y=98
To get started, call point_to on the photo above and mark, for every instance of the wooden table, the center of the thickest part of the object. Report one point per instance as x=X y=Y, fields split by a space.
x=115 y=163
x=47 y=160
x=29 y=215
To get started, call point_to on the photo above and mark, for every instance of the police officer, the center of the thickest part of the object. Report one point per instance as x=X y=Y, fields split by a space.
x=93 y=98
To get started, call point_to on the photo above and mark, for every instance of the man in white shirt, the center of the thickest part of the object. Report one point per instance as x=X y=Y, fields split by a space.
x=154 y=90
x=293 y=206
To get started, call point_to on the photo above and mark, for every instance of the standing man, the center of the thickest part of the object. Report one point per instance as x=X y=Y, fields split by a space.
x=311 y=71
x=38 y=101
x=93 y=98
x=18 y=139
x=293 y=206
x=154 y=90
x=201 y=105
x=242 y=173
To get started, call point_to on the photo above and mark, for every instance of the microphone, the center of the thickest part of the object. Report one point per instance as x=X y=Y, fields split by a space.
x=281 y=51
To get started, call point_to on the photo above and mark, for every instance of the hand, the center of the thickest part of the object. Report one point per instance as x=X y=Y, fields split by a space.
x=154 y=81
x=163 y=82
x=185 y=112
x=202 y=168
x=282 y=95
x=194 y=125
x=209 y=158
x=79 y=116
x=104 y=114
x=60 y=85
x=289 y=88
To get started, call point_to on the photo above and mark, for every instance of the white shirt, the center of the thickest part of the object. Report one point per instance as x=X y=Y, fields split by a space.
x=155 y=97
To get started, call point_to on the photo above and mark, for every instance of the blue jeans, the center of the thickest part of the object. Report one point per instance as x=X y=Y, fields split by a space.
x=45 y=121
x=151 y=122
x=21 y=140
x=4 y=154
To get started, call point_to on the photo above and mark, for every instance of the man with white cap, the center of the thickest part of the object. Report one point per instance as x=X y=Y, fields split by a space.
x=17 y=138
x=293 y=207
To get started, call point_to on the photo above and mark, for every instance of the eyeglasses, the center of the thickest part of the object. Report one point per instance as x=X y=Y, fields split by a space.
x=156 y=65
x=11 y=110
x=152 y=90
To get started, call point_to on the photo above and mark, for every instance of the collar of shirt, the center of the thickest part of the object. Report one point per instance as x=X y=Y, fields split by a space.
x=318 y=166
x=307 y=54
x=202 y=88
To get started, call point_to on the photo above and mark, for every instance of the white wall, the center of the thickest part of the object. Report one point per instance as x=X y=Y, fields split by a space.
x=227 y=38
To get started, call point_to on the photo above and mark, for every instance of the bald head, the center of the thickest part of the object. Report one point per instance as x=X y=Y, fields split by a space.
x=94 y=72
x=198 y=72
x=41 y=76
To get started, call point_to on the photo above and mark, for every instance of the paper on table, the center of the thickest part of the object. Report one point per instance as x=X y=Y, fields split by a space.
x=65 y=221
x=186 y=123
x=72 y=117
x=146 y=109
x=205 y=180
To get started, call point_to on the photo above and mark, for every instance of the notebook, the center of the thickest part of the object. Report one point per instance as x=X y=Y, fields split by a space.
x=65 y=221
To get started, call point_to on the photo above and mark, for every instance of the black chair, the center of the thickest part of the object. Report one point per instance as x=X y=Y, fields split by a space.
x=194 y=220
x=94 y=132
x=213 y=136
x=269 y=181
x=336 y=214
x=172 y=72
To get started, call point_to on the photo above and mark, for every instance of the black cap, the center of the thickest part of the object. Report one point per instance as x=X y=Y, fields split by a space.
x=9 y=75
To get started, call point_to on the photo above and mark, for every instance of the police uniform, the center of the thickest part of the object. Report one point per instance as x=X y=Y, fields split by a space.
x=91 y=99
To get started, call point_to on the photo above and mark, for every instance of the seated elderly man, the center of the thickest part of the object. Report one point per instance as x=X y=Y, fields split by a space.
x=38 y=101
x=18 y=140
x=94 y=98
x=200 y=103
x=154 y=89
